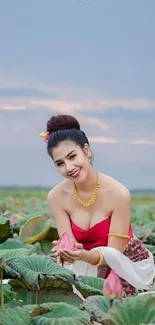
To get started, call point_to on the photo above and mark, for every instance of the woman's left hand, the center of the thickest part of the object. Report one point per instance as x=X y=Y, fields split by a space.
x=69 y=256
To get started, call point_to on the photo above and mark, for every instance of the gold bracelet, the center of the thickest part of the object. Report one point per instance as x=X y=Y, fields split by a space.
x=113 y=234
x=100 y=258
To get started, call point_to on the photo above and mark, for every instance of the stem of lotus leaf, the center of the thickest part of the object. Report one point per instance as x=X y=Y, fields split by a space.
x=111 y=303
x=37 y=297
x=2 y=294
x=42 y=249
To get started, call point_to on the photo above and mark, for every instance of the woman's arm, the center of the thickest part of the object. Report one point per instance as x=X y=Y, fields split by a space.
x=120 y=220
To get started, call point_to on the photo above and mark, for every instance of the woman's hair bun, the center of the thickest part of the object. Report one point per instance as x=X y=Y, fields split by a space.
x=62 y=122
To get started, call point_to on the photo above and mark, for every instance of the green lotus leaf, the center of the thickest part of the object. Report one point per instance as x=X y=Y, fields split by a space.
x=46 y=247
x=9 y=273
x=150 y=240
x=26 y=297
x=89 y=286
x=12 y=243
x=14 y=316
x=6 y=230
x=8 y=293
x=12 y=253
x=97 y=307
x=52 y=234
x=40 y=271
x=144 y=231
x=57 y=313
x=35 y=229
x=151 y=248
x=60 y=313
x=134 y=310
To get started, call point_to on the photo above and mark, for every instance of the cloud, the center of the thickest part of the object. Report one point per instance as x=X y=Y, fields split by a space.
x=94 y=121
x=92 y=105
x=103 y=140
x=13 y=108
x=64 y=98
x=22 y=92
x=143 y=142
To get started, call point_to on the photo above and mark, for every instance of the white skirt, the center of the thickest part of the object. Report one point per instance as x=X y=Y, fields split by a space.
x=139 y=274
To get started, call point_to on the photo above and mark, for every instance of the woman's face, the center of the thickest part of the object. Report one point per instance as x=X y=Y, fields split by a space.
x=71 y=161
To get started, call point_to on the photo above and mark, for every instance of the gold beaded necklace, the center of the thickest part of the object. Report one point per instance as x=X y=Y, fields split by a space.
x=93 y=198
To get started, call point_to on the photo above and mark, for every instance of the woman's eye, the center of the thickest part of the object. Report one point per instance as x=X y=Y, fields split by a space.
x=72 y=157
x=60 y=164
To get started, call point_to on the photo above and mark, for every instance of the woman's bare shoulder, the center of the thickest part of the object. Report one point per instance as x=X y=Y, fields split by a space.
x=59 y=191
x=112 y=186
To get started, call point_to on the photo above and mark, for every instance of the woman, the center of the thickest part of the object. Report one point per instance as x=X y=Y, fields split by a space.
x=94 y=210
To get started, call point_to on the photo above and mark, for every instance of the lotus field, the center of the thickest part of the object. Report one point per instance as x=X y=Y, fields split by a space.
x=35 y=290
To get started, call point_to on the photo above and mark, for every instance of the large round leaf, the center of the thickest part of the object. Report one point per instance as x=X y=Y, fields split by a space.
x=9 y=273
x=35 y=229
x=144 y=231
x=151 y=239
x=60 y=314
x=46 y=247
x=134 y=310
x=26 y=297
x=55 y=313
x=89 y=285
x=52 y=234
x=6 y=230
x=8 y=293
x=39 y=271
x=151 y=248
x=12 y=243
x=12 y=253
x=98 y=307
x=14 y=316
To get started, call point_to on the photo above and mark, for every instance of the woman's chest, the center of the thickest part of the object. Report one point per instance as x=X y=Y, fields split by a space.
x=87 y=217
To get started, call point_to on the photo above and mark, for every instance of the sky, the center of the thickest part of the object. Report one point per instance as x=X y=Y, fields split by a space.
x=94 y=59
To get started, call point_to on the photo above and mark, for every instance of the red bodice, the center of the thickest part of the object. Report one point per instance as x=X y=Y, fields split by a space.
x=95 y=236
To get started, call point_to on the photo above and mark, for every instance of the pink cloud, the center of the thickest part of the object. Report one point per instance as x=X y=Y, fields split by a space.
x=13 y=107
x=94 y=121
x=143 y=142
x=103 y=140
x=92 y=105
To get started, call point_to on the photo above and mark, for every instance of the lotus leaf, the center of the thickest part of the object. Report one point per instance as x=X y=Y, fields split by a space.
x=98 y=307
x=12 y=243
x=60 y=314
x=52 y=313
x=7 y=292
x=35 y=229
x=6 y=229
x=51 y=294
x=134 y=310
x=40 y=271
x=14 y=316
x=89 y=285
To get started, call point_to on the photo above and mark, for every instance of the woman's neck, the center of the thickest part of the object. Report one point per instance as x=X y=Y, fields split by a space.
x=89 y=183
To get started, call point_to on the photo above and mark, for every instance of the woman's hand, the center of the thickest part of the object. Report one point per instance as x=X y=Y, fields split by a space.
x=67 y=256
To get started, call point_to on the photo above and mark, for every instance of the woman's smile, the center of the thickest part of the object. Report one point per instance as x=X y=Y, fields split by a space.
x=76 y=173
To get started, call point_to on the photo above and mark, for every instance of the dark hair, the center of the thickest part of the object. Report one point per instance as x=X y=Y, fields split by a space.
x=64 y=127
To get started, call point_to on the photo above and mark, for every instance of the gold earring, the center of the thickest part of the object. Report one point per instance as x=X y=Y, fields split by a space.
x=89 y=158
